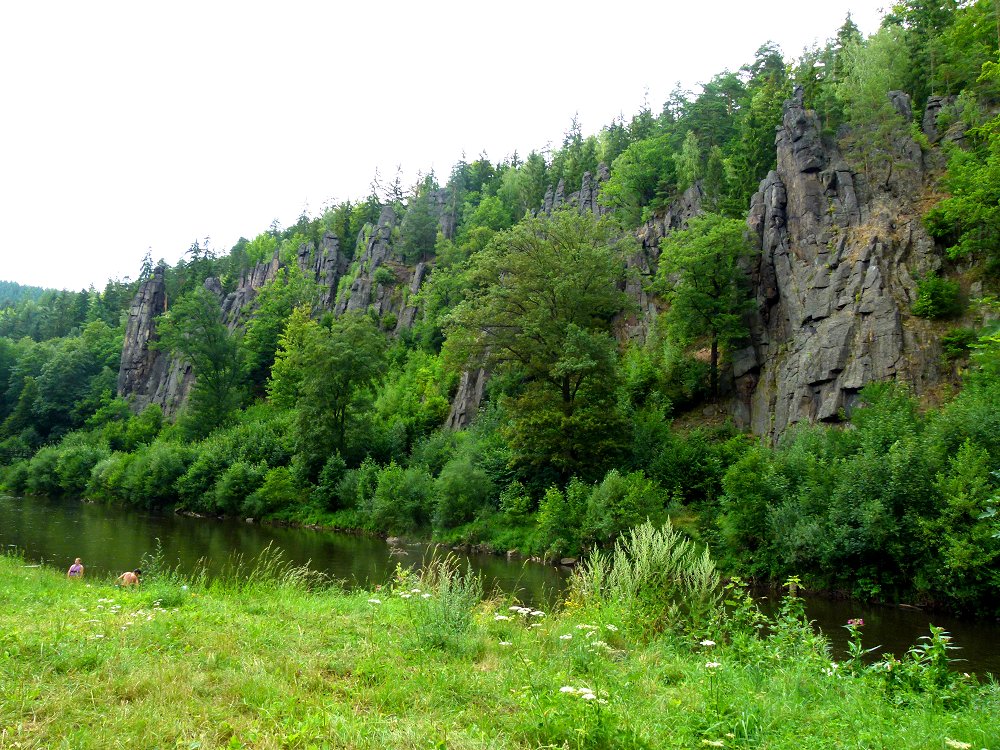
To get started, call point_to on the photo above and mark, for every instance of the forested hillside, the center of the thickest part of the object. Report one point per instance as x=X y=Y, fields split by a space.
x=765 y=311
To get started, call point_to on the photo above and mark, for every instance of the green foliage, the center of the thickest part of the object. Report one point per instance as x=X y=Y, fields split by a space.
x=542 y=299
x=327 y=373
x=891 y=508
x=968 y=220
x=274 y=303
x=278 y=491
x=957 y=342
x=937 y=297
x=642 y=178
x=621 y=502
x=403 y=499
x=701 y=276
x=561 y=516
x=872 y=69
x=656 y=579
x=384 y=276
x=690 y=162
x=193 y=330
x=234 y=484
x=461 y=489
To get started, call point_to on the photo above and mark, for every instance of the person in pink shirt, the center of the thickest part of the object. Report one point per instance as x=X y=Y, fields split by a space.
x=75 y=570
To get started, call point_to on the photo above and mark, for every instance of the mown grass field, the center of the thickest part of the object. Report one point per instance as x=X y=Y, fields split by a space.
x=276 y=661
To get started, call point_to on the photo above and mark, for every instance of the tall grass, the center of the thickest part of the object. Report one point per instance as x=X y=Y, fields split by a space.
x=269 y=569
x=279 y=664
x=656 y=577
x=443 y=602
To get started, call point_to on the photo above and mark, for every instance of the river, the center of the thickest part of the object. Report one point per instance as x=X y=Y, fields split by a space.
x=110 y=540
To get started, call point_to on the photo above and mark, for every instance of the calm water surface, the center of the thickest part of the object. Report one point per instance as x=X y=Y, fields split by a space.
x=111 y=540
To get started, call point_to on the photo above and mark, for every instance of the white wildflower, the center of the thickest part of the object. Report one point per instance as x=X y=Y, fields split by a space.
x=537 y=613
x=567 y=637
x=374 y=601
x=588 y=696
x=707 y=643
x=425 y=596
x=611 y=627
x=957 y=744
x=567 y=689
x=712 y=665
x=506 y=643
x=500 y=618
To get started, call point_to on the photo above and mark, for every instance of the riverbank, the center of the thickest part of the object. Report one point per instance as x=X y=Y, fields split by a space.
x=273 y=658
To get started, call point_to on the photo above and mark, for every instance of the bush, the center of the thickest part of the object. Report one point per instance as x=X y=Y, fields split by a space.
x=402 y=499
x=107 y=478
x=957 y=342
x=620 y=502
x=560 y=518
x=461 y=490
x=657 y=577
x=235 y=485
x=384 y=277
x=43 y=479
x=515 y=502
x=936 y=298
x=75 y=464
x=15 y=477
x=324 y=494
x=150 y=478
x=278 y=491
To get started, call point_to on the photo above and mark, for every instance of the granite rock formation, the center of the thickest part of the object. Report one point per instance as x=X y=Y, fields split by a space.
x=834 y=280
x=148 y=375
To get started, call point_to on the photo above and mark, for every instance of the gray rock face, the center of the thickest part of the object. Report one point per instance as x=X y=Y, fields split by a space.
x=833 y=282
x=391 y=297
x=929 y=124
x=147 y=375
x=466 y=402
x=642 y=265
x=150 y=376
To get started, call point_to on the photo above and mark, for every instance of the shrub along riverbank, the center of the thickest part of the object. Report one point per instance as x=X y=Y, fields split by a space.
x=274 y=657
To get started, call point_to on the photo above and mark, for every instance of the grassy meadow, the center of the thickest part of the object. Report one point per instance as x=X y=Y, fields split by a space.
x=274 y=657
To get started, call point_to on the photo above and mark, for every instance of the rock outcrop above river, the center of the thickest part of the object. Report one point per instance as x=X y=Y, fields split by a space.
x=148 y=375
x=839 y=255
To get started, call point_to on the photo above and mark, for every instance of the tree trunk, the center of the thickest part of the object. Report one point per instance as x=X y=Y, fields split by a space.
x=714 y=371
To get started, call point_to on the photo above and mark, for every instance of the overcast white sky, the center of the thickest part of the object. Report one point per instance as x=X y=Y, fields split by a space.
x=127 y=126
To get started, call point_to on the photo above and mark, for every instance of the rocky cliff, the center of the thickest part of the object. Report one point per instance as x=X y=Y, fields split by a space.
x=834 y=281
x=147 y=375
x=839 y=254
x=150 y=376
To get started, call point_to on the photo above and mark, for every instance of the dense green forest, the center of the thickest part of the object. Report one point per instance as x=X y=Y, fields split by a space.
x=307 y=416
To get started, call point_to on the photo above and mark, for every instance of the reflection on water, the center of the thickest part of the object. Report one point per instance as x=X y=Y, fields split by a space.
x=111 y=540
x=895 y=629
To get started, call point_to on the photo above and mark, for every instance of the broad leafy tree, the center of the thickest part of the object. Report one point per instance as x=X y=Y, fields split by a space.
x=701 y=277
x=328 y=374
x=541 y=303
x=193 y=330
